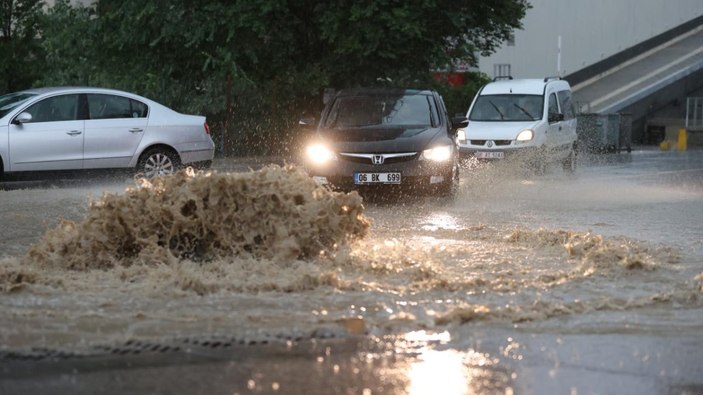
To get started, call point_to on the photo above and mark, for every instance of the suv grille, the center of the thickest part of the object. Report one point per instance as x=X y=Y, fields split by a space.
x=368 y=159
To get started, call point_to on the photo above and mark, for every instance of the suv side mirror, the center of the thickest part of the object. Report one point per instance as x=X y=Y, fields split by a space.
x=307 y=122
x=459 y=121
x=555 y=117
x=22 y=118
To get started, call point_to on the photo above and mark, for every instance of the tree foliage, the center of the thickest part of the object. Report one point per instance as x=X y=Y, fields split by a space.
x=254 y=66
x=20 y=53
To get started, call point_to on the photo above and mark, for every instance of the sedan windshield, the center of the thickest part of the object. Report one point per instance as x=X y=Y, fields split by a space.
x=511 y=107
x=12 y=100
x=373 y=111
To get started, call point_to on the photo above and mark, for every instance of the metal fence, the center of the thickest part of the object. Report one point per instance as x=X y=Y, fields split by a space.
x=694 y=113
x=601 y=133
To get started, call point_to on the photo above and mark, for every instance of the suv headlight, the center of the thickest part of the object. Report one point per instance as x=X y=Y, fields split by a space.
x=438 y=154
x=319 y=154
x=525 y=135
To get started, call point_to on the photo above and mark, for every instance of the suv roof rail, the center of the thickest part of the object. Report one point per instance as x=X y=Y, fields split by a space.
x=556 y=77
x=503 y=77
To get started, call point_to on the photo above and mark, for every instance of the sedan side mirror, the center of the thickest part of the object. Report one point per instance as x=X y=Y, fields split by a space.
x=22 y=118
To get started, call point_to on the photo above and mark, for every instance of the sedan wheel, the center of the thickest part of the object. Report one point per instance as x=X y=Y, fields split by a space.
x=158 y=162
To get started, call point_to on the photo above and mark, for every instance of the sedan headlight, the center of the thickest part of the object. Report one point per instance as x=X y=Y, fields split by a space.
x=438 y=154
x=525 y=135
x=319 y=154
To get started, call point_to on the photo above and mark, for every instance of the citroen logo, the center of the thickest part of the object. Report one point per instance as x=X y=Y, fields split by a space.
x=489 y=143
x=377 y=159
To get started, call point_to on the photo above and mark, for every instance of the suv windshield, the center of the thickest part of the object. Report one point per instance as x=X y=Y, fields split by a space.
x=12 y=100
x=374 y=111
x=512 y=107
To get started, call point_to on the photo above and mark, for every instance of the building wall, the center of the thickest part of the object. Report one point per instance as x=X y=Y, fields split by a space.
x=590 y=30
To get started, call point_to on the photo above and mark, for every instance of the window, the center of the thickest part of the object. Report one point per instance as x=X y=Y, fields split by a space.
x=553 y=106
x=511 y=107
x=112 y=106
x=381 y=110
x=12 y=100
x=567 y=106
x=501 y=70
x=54 y=109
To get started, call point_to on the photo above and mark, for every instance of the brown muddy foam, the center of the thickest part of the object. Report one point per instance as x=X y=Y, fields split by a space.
x=275 y=213
x=542 y=310
x=276 y=230
x=594 y=253
x=482 y=259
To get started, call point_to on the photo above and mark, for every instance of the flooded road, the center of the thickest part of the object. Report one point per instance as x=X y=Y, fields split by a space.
x=589 y=283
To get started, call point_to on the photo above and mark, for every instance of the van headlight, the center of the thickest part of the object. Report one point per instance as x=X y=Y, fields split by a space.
x=319 y=154
x=525 y=135
x=438 y=154
x=461 y=136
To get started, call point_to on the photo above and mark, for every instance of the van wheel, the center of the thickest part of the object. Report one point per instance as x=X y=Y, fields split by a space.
x=569 y=163
x=538 y=162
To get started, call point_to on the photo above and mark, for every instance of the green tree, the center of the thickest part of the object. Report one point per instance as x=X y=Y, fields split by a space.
x=67 y=33
x=401 y=40
x=254 y=66
x=20 y=52
x=458 y=98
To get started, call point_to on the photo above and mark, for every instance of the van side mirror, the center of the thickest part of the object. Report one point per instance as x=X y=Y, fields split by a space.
x=459 y=121
x=22 y=118
x=555 y=117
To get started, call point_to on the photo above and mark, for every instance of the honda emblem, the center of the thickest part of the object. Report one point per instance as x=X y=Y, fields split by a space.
x=377 y=159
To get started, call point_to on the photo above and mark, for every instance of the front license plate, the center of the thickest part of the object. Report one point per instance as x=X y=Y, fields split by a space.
x=489 y=155
x=377 y=178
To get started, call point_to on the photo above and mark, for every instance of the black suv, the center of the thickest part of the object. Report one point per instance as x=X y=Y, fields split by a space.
x=379 y=139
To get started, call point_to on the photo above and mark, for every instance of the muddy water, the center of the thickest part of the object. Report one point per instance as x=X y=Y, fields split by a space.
x=615 y=250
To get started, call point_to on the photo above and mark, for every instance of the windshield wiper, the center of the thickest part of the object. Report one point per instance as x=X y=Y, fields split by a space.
x=532 y=117
x=502 y=117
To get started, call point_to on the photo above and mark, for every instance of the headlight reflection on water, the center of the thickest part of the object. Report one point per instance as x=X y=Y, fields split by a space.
x=451 y=371
x=440 y=220
x=438 y=372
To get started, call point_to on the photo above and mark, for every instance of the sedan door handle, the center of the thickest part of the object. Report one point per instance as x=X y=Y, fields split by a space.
x=136 y=130
x=74 y=132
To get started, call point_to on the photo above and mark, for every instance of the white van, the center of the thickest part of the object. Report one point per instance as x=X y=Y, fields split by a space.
x=533 y=119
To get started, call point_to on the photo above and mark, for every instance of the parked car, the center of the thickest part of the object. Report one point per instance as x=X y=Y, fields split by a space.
x=69 y=129
x=532 y=119
x=384 y=139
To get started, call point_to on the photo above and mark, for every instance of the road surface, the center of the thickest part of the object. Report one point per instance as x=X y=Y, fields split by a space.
x=583 y=284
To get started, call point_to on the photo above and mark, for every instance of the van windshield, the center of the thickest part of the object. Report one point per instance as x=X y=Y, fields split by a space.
x=512 y=107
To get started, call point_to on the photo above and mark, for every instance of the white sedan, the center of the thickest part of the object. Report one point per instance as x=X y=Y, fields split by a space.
x=69 y=129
